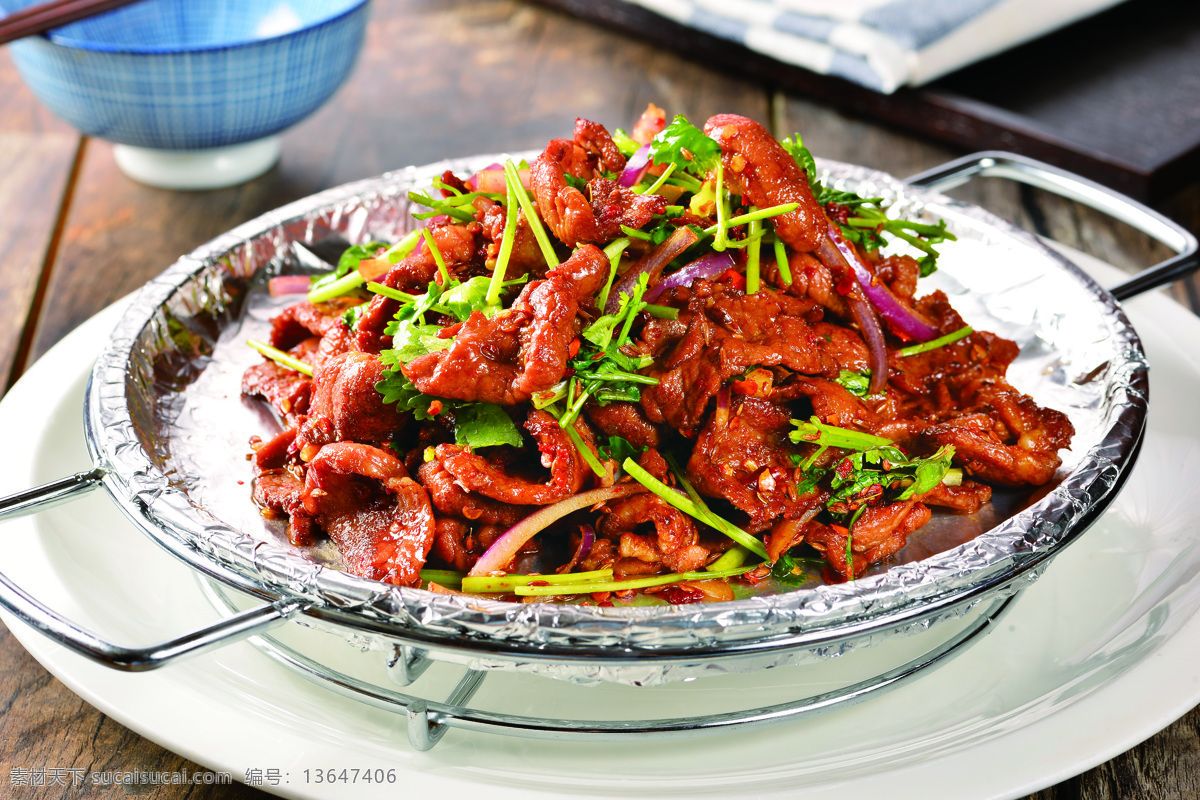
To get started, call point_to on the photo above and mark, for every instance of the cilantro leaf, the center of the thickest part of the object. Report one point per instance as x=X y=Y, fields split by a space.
x=484 y=425
x=794 y=146
x=873 y=475
x=619 y=448
x=463 y=298
x=353 y=314
x=788 y=572
x=687 y=147
x=351 y=258
x=856 y=383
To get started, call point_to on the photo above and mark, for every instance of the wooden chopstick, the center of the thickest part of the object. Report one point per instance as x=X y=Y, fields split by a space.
x=54 y=14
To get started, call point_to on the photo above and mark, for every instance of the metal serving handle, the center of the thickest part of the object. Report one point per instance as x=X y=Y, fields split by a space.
x=70 y=635
x=998 y=164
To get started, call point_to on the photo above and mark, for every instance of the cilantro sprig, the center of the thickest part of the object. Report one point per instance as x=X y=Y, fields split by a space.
x=602 y=371
x=692 y=151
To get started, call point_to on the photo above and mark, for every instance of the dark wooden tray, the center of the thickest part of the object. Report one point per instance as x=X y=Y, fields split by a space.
x=1115 y=97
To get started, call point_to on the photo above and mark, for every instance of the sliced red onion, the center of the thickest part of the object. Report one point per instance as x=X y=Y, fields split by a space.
x=709 y=266
x=289 y=284
x=832 y=254
x=636 y=166
x=905 y=319
x=502 y=551
x=587 y=539
x=473 y=181
x=651 y=264
x=492 y=180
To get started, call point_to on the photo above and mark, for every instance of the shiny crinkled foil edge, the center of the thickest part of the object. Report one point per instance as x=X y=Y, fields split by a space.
x=120 y=400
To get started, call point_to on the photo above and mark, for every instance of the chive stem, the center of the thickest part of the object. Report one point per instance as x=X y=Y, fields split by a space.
x=816 y=432
x=752 y=254
x=661 y=179
x=403 y=248
x=620 y=586
x=484 y=584
x=404 y=297
x=506 y=246
x=343 y=285
x=531 y=214
x=720 y=241
x=661 y=312
x=437 y=256
x=280 y=357
x=934 y=344
x=442 y=577
x=732 y=558
x=614 y=250
x=689 y=507
x=742 y=219
x=781 y=261
x=583 y=449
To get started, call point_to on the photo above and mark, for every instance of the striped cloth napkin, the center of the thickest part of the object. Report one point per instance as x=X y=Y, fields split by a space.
x=881 y=44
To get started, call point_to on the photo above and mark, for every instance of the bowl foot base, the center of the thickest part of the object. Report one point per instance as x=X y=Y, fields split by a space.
x=212 y=168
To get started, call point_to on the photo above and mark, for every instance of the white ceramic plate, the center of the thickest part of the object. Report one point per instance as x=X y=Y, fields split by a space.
x=1098 y=655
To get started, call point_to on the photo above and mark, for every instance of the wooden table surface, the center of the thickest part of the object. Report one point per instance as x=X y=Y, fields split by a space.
x=438 y=78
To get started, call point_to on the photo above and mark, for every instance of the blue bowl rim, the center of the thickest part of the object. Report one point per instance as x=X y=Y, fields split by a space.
x=100 y=47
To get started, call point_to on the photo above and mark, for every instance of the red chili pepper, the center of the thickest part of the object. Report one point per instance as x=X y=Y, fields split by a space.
x=573 y=350
x=749 y=388
x=435 y=408
x=737 y=279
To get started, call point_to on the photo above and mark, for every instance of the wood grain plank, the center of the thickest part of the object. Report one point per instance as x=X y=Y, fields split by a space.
x=36 y=167
x=36 y=153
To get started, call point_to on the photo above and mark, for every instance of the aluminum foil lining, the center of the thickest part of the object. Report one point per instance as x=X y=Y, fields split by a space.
x=1079 y=354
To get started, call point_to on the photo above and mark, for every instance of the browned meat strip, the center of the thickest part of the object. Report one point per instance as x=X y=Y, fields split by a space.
x=568 y=470
x=450 y=544
x=967 y=498
x=743 y=455
x=450 y=498
x=568 y=213
x=879 y=533
x=278 y=492
x=758 y=168
x=596 y=140
x=675 y=545
x=303 y=320
x=345 y=405
x=1009 y=440
x=950 y=369
x=379 y=518
x=274 y=453
x=729 y=332
x=507 y=358
x=626 y=420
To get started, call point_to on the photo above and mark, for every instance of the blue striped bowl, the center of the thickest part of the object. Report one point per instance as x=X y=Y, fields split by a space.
x=185 y=75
